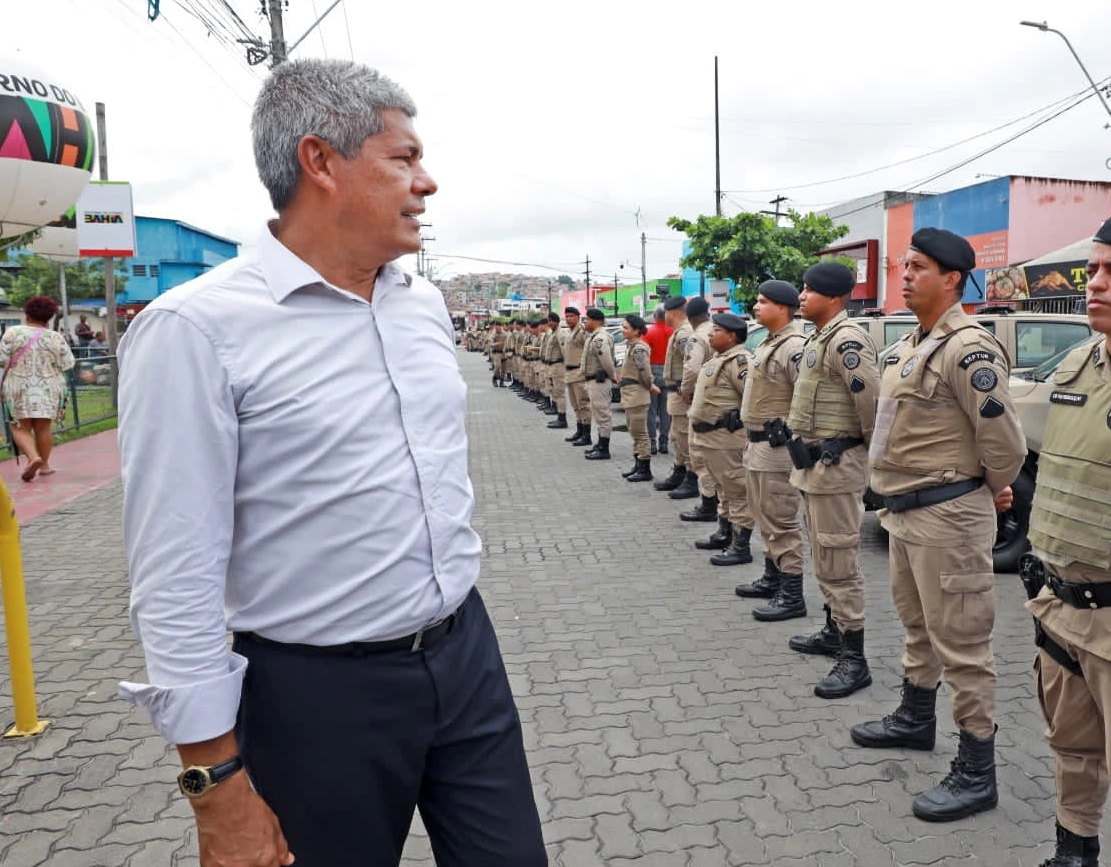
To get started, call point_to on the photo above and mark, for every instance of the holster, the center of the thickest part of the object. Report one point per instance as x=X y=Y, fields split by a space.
x=1032 y=574
x=800 y=454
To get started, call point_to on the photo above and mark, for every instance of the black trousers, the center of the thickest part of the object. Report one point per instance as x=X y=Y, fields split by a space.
x=343 y=748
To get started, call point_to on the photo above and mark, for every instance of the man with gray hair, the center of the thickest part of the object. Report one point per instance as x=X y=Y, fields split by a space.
x=315 y=502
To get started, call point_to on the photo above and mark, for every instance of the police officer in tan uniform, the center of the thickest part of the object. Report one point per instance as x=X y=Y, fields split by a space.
x=1071 y=535
x=675 y=315
x=557 y=372
x=576 y=382
x=637 y=390
x=717 y=430
x=833 y=411
x=946 y=445
x=496 y=349
x=600 y=372
x=546 y=332
x=698 y=482
x=773 y=499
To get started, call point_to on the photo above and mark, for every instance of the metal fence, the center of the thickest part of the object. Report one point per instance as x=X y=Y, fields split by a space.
x=92 y=395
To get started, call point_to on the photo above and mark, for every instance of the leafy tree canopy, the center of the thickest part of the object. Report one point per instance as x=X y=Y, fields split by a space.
x=39 y=276
x=565 y=280
x=749 y=248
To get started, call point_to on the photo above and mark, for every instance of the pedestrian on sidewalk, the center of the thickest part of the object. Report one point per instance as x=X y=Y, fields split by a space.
x=35 y=359
x=658 y=337
x=306 y=488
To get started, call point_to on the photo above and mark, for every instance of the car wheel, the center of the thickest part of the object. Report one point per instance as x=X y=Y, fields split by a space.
x=1011 y=540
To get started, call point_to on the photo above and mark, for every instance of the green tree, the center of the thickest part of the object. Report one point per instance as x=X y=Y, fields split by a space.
x=749 y=248
x=565 y=280
x=39 y=276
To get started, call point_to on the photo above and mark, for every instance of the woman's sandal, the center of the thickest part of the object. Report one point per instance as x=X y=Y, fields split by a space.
x=32 y=469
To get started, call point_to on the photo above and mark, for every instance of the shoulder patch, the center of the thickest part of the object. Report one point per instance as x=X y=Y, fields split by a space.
x=812 y=358
x=893 y=358
x=851 y=360
x=856 y=385
x=979 y=355
x=796 y=358
x=984 y=379
x=848 y=345
x=991 y=408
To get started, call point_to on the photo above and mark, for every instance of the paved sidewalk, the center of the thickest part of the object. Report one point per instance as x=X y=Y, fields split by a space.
x=664 y=726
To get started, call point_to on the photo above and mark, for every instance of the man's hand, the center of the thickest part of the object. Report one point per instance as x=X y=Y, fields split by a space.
x=235 y=828
x=1004 y=499
x=655 y=389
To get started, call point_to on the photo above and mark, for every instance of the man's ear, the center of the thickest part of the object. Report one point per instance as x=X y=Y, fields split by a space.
x=319 y=162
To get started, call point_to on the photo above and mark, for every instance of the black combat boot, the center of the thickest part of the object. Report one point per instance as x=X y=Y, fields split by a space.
x=532 y=395
x=560 y=421
x=787 y=602
x=632 y=471
x=851 y=671
x=550 y=407
x=687 y=488
x=706 y=510
x=970 y=786
x=719 y=540
x=494 y=380
x=738 y=552
x=643 y=471
x=663 y=447
x=584 y=437
x=913 y=724
x=763 y=587
x=678 y=473
x=578 y=433
x=600 y=452
x=1073 y=850
x=825 y=642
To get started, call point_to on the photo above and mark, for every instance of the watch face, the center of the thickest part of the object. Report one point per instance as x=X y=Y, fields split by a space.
x=194 y=781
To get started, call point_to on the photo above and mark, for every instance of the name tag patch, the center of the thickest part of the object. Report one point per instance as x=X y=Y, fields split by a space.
x=1067 y=398
x=972 y=357
x=850 y=344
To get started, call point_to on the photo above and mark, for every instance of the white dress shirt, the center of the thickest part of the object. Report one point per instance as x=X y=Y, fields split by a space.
x=294 y=463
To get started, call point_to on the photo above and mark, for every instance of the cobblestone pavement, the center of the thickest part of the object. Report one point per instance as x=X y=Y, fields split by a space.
x=665 y=727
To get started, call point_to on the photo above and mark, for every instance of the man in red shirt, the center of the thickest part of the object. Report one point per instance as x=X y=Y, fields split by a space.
x=659 y=421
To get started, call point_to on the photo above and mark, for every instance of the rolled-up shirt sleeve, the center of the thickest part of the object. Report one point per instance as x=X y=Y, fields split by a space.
x=178 y=437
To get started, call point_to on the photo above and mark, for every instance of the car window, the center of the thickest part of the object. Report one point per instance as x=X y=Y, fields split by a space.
x=1039 y=341
x=892 y=331
x=757 y=333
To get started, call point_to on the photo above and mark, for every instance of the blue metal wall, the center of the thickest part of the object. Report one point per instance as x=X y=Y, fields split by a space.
x=180 y=252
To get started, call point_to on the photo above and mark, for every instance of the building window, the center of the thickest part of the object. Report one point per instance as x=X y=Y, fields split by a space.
x=139 y=270
x=153 y=270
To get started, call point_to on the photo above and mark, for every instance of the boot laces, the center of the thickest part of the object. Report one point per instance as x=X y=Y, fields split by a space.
x=958 y=772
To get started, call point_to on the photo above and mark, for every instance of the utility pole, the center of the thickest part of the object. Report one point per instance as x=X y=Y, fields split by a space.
x=777 y=201
x=109 y=262
x=273 y=9
x=422 y=254
x=643 y=276
x=588 y=278
x=717 y=144
x=615 y=293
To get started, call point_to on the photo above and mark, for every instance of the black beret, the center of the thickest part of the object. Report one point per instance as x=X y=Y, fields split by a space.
x=553 y=317
x=829 y=278
x=949 y=250
x=635 y=321
x=779 y=291
x=1104 y=233
x=676 y=303
x=568 y=310
x=731 y=322
x=698 y=306
x=536 y=323
x=595 y=313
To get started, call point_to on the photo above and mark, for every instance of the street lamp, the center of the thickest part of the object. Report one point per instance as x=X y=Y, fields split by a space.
x=1046 y=28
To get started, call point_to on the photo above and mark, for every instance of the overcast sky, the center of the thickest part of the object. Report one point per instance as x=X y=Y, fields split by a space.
x=561 y=131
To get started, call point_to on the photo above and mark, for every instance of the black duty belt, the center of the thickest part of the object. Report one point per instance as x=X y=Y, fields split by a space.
x=1080 y=595
x=497 y=351
x=628 y=381
x=931 y=496
x=672 y=387
x=422 y=639
x=572 y=366
x=757 y=436
x=706 y=427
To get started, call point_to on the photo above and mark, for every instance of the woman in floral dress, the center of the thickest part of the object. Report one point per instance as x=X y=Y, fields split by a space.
x=34 y=360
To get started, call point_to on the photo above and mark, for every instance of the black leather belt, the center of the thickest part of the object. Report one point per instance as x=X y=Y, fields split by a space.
x=706 y=427
x=628 y=381
x=671 y=387
x=497 y=351
x=931 y=496
x=757 y=436
x=1080 y=595
x=422 y=639
x=572 y=366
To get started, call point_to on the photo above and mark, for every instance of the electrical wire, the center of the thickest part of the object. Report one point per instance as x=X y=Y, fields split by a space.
x=319 y=30
x=347 y=24
x=440 y=255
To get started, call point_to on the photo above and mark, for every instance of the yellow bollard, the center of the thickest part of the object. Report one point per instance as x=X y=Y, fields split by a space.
x=27 y=722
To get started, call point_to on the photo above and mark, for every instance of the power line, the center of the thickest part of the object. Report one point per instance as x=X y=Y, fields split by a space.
x=501 y=262
x=347 y=24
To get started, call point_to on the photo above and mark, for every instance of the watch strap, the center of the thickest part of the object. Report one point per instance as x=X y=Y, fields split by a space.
x=222 y=771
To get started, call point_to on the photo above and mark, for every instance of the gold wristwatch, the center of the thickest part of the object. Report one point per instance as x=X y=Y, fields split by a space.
x=196 y=780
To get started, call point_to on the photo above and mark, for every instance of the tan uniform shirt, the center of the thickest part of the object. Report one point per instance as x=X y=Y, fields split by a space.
x=720 y=388
x=774 y=367
x=698 y=352
x=598 y=355
x=573 y=353
x=636 y=375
